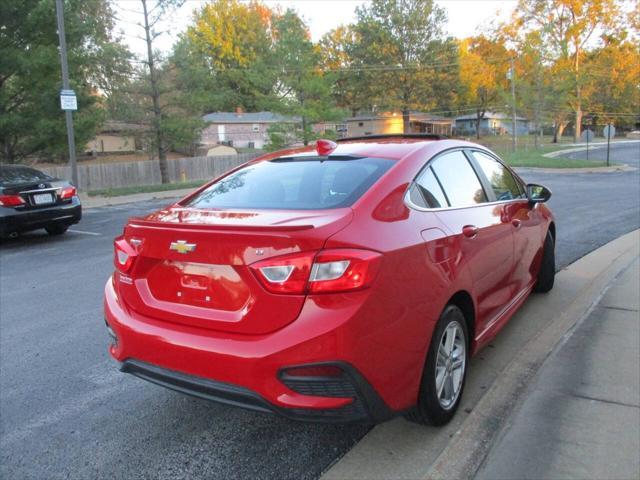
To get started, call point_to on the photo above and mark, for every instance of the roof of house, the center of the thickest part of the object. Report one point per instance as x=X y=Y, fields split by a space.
x=490 y=115
x=114 y=126
x=248 y=117
x=414 y=116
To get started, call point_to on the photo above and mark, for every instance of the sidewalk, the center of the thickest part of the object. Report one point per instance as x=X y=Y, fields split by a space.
x=581 y=416
x=499 y=376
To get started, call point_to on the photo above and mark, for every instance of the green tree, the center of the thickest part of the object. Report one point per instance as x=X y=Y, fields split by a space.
x=483 y=75
x=612 y=82
x=31 y=121
x=351 y=85
x=403 y=54
x=566 y=27
x=225 y=56
x=302 y=87
x=156 y=96
x=541 y=94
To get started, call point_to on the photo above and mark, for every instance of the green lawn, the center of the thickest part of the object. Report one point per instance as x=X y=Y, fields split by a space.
x=527 y=155
x=116 y=192
x=536 y=158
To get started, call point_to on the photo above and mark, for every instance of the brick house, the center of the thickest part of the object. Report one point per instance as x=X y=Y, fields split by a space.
x=240 y=129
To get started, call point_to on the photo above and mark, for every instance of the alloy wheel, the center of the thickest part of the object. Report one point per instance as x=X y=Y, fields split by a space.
x=450 y=365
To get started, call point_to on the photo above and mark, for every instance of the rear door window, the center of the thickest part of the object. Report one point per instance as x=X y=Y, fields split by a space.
x=296 y=183
x=427 y=192
x=458 y=179
x=503 y=183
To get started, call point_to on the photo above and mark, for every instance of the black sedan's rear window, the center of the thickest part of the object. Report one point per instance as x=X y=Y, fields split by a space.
x=14 y=174
x=297 y=183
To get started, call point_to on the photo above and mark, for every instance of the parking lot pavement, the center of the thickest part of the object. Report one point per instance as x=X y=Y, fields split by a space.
x=66 y=412
x=581 y=417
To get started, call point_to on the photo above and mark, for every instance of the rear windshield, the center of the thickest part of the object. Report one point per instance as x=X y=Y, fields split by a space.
x=10 y=175
x=296 y=183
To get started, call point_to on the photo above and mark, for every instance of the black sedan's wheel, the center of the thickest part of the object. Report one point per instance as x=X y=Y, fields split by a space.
x=444 y=372
x=56 y=228
x=547 y=273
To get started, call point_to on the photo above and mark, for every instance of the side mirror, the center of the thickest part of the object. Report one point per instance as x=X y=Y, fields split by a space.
x=538 y=193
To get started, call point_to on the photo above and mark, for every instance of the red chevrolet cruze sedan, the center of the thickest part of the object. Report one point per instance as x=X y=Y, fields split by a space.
x=339 y=282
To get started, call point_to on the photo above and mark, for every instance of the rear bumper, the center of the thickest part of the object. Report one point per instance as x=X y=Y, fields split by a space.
x=357 y=411
x=12 y=220
x=245 y=370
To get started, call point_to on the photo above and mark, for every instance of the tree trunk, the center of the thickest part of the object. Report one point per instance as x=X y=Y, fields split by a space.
x=305 y=140
x=578 y=130
x=155 y=97
x=479 y=116
x=578 y=108
x=406 y=119
x=558 y=131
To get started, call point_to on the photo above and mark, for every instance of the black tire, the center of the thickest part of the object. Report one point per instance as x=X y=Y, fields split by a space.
x=547 y=273
x=429 y=410
x=56 y=228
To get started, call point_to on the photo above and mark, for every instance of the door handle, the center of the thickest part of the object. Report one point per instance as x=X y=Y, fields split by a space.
x=516 y=223
x=470 y=231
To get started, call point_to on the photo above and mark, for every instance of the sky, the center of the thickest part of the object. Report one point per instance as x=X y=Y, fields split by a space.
x=465 y=17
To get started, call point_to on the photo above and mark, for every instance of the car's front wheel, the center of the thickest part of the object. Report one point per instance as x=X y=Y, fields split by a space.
x=444 y=371
x=547 y=273
x=56 y=228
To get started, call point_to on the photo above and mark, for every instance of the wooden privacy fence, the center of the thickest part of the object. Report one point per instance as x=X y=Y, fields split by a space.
x=147 y=172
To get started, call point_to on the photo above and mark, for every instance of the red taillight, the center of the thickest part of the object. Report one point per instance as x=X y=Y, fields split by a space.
x=124 y=254
x=327 y=271
x=11 y=200
x=68 y=192
x=343 y=270
x=285 y=274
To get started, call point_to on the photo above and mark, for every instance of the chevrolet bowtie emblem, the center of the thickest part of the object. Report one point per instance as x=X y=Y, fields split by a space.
x=181 y=246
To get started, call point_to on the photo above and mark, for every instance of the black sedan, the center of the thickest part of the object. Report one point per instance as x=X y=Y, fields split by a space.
x=30 y=199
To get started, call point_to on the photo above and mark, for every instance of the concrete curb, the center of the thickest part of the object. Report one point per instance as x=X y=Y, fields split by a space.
x=472 y=442
x=497 y=379
x=93 y=202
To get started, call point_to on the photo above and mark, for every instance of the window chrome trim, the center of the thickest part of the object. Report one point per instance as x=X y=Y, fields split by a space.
x=410 y=204
x=413 y=206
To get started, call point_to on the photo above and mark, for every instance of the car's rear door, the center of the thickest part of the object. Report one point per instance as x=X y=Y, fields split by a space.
x=524 y=219
x=486 y=239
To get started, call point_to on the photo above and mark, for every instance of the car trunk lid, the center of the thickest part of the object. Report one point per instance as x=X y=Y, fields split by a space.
x=192 y=266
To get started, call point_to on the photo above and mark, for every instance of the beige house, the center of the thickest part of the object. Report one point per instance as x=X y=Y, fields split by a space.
x=391 y=122
x=115 y=137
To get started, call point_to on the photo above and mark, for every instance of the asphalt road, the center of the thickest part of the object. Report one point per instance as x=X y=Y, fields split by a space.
x=66 y=412
x=628 y=153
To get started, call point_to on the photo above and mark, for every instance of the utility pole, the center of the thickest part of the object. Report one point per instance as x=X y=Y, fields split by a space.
x=65 y=86
x=514 y=136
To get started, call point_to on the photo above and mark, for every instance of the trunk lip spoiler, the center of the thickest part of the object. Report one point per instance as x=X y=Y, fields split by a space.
x=135 y=222
x=145 y=222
